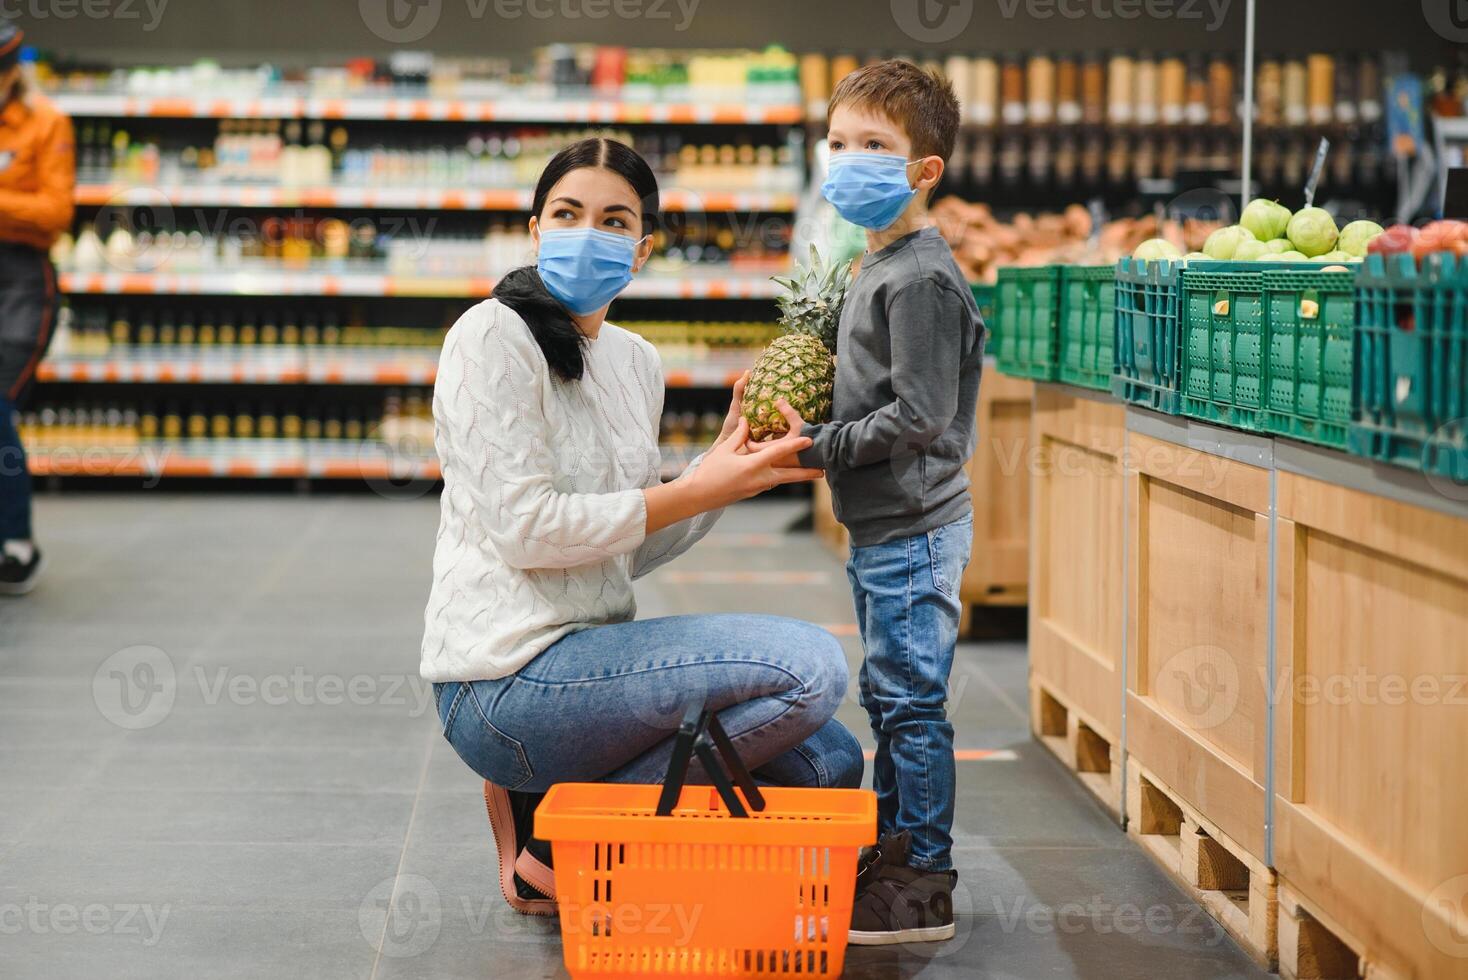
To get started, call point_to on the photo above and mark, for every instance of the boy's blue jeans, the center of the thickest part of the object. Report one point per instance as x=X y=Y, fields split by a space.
x=907 y=609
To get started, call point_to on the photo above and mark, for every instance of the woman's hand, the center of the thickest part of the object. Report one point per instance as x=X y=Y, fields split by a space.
x=730 y=472
x=795 y=425
x=736 y=409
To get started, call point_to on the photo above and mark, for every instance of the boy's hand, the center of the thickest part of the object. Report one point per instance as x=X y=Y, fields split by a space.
x=736 y=409
x=791 y=443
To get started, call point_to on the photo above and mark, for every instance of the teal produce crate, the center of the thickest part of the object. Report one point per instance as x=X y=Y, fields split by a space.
x=984 y=297
x=1026 y=311
x=1307 y=393
x=1086 y=328
x=1148 y=300
x=1150 y=344
x=1411 y=363
x=1222 y=347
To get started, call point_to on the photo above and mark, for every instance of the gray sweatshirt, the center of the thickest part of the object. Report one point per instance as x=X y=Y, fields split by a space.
x=909 y=354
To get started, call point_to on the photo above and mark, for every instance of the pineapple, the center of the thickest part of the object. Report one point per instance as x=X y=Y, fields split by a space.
x=799 y=366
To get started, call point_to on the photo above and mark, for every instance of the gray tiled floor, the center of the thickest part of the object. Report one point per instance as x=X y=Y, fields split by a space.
x=263 y=824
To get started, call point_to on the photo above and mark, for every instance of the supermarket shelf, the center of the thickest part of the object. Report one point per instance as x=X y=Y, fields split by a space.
x=609 y=111
x=690 y=285
x=230 y=366
x=261 y=459
x=233 y=365
x=435 y=199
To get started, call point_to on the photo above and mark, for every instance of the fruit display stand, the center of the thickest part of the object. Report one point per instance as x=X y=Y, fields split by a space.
x=999 y=483
x=831 y=532
x=1076 y=599
x=1371 y=640
x=1198 y=537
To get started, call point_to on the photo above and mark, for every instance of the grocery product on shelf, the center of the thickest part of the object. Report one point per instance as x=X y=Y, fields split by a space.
x=800 y=365
x=555 y=71
x=305 y=154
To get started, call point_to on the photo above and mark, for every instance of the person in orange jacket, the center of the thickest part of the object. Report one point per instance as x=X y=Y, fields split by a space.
x=37 y=178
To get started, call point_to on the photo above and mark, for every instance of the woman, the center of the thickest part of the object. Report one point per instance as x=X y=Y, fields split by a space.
x=547 y=423
x=37 y=174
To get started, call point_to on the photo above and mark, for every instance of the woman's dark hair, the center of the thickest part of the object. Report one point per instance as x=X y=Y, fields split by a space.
x=522 y=291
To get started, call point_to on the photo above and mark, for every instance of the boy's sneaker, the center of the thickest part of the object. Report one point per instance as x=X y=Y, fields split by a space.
x=899 y=904
x=18 y=577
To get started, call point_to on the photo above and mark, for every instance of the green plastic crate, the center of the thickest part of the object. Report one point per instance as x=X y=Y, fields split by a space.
x=984 y=297
x=1026 y=311
x=1411 y=363
x=1222 y=347
x=1307 y=393
x=1086 y=328
x=1147 y=302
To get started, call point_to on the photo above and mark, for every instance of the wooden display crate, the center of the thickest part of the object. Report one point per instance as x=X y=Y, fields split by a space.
x=999 y=482
x=1076 y=598
x=1094 y=758
x=823 y=520
x=1235 y=887
x=1197 y=621
x=1371 y=642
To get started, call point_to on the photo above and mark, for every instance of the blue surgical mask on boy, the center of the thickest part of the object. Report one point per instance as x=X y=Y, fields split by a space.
x=585 y=268
x=869 y=189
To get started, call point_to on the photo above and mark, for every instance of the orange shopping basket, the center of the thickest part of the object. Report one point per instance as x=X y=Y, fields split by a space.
x=704 y=881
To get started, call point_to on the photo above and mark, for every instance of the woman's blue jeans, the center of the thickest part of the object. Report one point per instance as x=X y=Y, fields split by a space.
x=603 y=704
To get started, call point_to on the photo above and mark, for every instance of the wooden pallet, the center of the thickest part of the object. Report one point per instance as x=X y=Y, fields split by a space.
x=1232 y=885
x=1313 y=947
x=1088 y=752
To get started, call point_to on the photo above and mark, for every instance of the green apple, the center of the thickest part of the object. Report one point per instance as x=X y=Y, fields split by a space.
x=1356 y=236
x=1265 y=219
x=1313 y=231
x=1225 y=241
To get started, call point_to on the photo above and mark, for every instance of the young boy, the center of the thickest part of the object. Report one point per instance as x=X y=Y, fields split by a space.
x=910 y=350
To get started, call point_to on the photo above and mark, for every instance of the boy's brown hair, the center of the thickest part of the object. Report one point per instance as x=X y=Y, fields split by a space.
x=921 y=102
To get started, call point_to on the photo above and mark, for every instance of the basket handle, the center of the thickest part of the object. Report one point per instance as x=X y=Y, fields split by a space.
x=700 y=733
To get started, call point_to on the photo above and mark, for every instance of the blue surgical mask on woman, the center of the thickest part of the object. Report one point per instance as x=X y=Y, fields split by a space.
x=585 y=268
x=869 y=189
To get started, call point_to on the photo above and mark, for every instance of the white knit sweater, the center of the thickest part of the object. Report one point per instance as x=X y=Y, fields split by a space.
x=542 y=520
